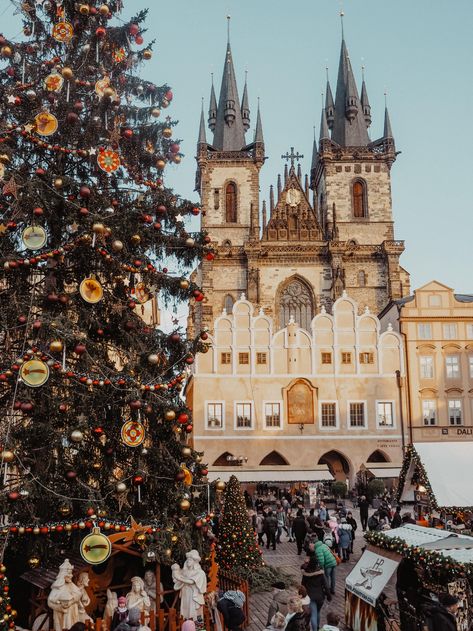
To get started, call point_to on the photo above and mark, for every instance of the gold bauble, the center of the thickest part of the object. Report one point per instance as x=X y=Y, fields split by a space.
x=104 y=9
x=109 y=92
x=67 y=73
x=77 y=436
x=56 y=346
x=58 y=182
x=167 y=132
x=186 y=451
x=184 y=283
x=120 y=487
x=84 y=9
x=190 y=242
x=153 y=359
x=177 y=159
x=135 y=239
x=174 y=538
x=98 y=228
x=168 y=552
x=34 y=562
x=140 y=539
x=96 y=466
x=147 y=54
x=169 y=415
x=220 y=486
x=184 y=504
x=161 y=164
x=117 y=245
x=6 y=51
x=64 y=510
x=155 y=112
x=7 y=456
x=102 y=512
x=68 y=527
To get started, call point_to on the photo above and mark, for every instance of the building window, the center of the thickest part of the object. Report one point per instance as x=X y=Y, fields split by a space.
x=328 y=414
x=469 y=331
x=366 y=358
x=357 y=414
x=455 y=412
x=231 y=202
x=424 y=331
x=429 y=412
x=426 y=367
x=261 y=359
x=452 y=365
x=244 y=358
x=226 y=358
x=214 y=415
x=346 y=358
x=435 y=300
x=359 y=199
x=470 y=364
x=361 y=278
x=384 y=414
x=296 y=304
x=272 y=415
x=326 y=358
x=228 y=303
x=450 y=332
x=243 y=415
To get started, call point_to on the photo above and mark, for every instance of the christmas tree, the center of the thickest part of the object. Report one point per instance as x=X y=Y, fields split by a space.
x=237 y=548
x=94 y=428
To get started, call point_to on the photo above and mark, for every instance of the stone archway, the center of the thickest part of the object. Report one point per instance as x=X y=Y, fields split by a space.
x=339 y=466
x=378 y=456
x=274 y=458
x=222 y=460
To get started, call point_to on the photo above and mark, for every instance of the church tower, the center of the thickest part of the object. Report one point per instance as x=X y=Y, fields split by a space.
x=228 y=182
x=351 y=180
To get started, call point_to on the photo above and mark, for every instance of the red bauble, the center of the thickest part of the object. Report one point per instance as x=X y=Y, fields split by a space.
x=157 y=226
x=128 y=133
x=38 y=211
x=210 y=256
x=175 y=337
x=195 y=211
x=189 y=429
x=204 y=472
x=199 y=298
x=27 y=406
x=90 y=511
x=135 y=405
x=97 y=431
x=161 y=210
x=134 y=29
x=189 y=360
x=100 y=32
x=79 y=349
x=204 y=335
x=198 y=523
x=207 y=239
x=83 y=211
x=169 y=95
x=40 y=172
x=139 y=40
x=22 y=319
x=13 y=496
x=180 y=475
x=174 y=148
x=72 y=118
x=84 y=191
x=138 y=480
x=79 y=106
x=71 y=475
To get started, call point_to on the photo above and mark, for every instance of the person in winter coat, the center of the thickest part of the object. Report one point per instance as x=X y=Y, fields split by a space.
x=231 y=607
x=353 y=523
x=363 y=505
x=132 y=623
x=323 y=513
x=313 y=579
x=270 y=528
x=344 y=539
x=120 y=614
x=396 y=521
x=290 y=521
x=281 y=519
x=299 y=528
x=318 y=528
x=332 y=523
x=305 y=600
x=373 y=522
x=333 y=620
x=278 y=623
x=327 y=562
x=442 y=616
x=295 y=619
x=280 y=600
x=260 y=527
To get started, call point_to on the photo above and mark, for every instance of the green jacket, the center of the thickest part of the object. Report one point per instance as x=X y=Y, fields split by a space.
x=324 y=555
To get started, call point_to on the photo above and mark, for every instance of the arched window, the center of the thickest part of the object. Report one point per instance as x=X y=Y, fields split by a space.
x=296 y=302
x=359 y=199
x=361 y=278
x=231 y=203
x=228 y=303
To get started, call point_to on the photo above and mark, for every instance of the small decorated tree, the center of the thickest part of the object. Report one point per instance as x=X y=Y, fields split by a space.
x=237 y=548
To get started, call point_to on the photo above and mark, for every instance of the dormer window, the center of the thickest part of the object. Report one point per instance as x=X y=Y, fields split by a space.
x=231 y=202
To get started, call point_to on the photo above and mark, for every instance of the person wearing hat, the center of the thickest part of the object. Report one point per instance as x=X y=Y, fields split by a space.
x=442 y=615
x=345 y=535
x=313 y=579
x=133 y=621
x=231 y=607
x=120 y=614
x=279 y=601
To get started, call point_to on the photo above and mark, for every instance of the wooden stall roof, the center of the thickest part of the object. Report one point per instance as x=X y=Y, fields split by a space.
x=44 y=577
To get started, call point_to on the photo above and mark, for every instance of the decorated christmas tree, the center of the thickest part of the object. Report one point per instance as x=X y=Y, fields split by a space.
x=237 y=548
x=94 y=428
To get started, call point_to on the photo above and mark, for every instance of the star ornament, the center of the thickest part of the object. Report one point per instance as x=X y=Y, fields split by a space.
x=180 y=218
x=127 y=538
x=11 y=98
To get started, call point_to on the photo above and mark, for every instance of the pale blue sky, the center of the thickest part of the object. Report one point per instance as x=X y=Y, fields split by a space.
x=420 y=51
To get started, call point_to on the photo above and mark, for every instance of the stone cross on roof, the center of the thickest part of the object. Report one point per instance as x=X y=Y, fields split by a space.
x=292 y=156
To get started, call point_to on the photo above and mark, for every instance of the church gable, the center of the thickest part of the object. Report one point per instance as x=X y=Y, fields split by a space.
x=293 y=218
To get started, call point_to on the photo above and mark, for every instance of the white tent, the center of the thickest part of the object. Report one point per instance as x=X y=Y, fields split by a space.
x=319 y=473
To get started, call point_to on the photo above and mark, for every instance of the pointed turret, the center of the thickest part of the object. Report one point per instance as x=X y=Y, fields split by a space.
x=212 y=108
x=365 y=104
x=202 y=138
x=324 y=132
x=315 y=153
x=329 y=105
x=229 y=133
x=245 y=108
x=387 y=134
x=259 y=128
x=349 y=126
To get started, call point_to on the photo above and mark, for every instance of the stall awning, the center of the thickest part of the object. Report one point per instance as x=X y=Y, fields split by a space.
x=271 y=474
x=369 y=576
x=447 y=466
x=384 y=472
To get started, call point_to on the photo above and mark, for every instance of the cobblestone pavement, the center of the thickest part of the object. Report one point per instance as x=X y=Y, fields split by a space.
x=285 y=556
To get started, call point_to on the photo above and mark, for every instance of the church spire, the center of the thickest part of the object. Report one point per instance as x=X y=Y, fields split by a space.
x=315 y=152
x=245 y=108
x=365 y=104
x=229 y=132
x=349 y=126
x=202 y=138
x=212 y=107
x=259 y=128
x=329 y=104
x=324 y=132
x=388 y=134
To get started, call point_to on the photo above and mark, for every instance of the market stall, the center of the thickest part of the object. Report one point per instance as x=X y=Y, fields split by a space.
x=413 y=565
x=434 y=480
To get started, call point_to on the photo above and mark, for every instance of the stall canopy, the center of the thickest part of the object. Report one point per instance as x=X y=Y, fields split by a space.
x=384 y=469
x=320 y=473
x=446 y=467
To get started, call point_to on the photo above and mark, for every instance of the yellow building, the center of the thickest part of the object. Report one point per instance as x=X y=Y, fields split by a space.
x=437 y=327
x=299 y=398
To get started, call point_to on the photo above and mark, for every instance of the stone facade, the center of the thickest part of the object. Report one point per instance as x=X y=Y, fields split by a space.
x=437 y=327
x=296 y=397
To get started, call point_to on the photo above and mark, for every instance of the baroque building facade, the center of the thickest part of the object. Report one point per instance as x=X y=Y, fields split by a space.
x=320 y=238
